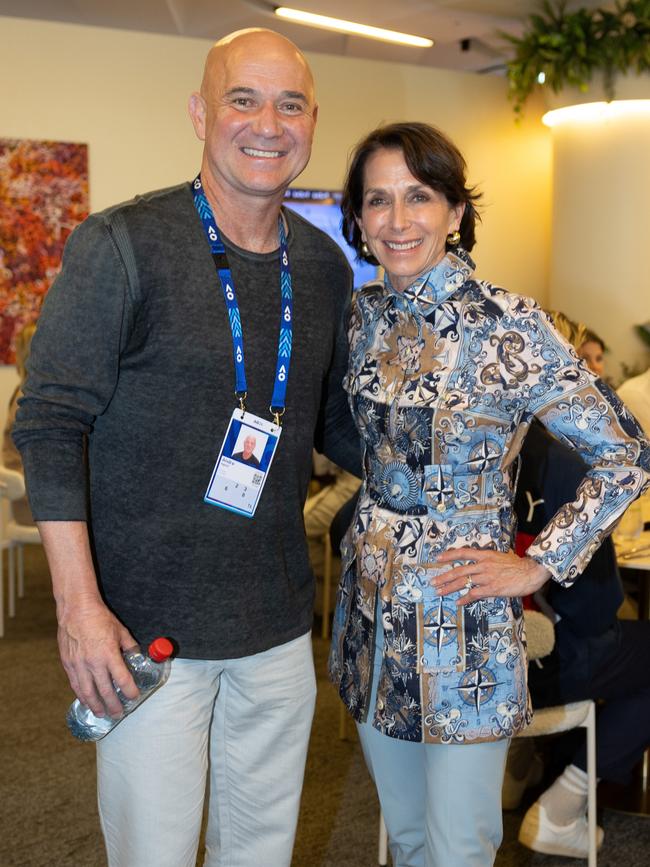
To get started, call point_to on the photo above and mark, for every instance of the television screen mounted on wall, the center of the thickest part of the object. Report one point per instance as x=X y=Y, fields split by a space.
x=323 y=209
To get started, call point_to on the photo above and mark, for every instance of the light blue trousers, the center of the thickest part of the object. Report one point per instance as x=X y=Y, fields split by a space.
x=241 y=726
x=441 y=803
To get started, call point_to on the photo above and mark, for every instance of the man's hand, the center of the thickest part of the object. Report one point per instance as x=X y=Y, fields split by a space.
x=489 y=573
x=91 y=638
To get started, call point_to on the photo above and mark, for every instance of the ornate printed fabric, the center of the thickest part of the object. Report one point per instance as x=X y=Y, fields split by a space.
x=444 y=380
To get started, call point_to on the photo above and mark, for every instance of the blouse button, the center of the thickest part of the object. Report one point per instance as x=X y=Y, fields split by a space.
x=441 y=507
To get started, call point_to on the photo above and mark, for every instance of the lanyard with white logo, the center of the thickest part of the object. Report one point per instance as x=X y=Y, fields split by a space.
x=278 y=400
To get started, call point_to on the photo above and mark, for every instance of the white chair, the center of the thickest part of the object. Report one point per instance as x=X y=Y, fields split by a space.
x=382 y=858
x=13 y=536
x=546 y=721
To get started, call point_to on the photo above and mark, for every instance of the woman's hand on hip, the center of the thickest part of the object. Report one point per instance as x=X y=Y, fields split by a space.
x=485 y=572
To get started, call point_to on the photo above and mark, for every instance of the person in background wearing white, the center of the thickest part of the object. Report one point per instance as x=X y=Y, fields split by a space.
x=635 y=393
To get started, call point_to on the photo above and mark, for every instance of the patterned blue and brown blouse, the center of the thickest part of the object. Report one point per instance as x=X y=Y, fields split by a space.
x=444 y=380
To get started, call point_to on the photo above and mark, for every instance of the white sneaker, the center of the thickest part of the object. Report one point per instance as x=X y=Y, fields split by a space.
x=513 y=787
x=538 y=833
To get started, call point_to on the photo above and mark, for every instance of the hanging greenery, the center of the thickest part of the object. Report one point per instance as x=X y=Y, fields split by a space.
x=567 y=48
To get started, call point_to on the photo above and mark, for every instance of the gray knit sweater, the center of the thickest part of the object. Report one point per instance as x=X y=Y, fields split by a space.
x=130 y=388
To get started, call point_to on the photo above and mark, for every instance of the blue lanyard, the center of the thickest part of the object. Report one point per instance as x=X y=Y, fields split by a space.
x=278 y=400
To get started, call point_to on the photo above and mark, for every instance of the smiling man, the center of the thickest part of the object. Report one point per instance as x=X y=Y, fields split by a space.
x=138 y=383
x=247 y=454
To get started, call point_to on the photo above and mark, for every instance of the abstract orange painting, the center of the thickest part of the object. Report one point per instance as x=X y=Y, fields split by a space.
x=43 y=196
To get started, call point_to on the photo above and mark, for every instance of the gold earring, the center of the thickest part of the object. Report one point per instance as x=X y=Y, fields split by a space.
x=365 y=249
x=453 y=238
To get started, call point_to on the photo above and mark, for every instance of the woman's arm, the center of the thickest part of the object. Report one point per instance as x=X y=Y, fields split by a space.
x=584 y=413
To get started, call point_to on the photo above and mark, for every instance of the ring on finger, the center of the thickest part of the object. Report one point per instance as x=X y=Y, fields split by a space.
x=469 y=584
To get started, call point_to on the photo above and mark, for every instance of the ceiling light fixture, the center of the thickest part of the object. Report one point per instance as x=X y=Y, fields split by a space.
x=342 y=26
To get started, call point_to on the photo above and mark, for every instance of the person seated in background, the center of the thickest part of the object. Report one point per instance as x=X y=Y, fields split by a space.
x=589 y=346
x=592 y=350
x=10 y=455
x=596 y=656
x=635 y=393
x=321 y=507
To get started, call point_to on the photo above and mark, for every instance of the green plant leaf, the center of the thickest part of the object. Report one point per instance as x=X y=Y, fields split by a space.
x=570 y=47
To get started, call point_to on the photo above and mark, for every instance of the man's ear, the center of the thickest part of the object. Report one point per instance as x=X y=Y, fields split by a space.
x=197 y=110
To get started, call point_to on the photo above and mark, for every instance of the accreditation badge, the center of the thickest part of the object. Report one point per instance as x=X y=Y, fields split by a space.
x=243 y=464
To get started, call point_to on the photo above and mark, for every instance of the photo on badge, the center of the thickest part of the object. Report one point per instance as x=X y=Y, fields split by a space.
x=249 y=446
x=243 y=463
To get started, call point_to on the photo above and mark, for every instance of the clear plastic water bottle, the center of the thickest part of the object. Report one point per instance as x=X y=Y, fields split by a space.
x=149 y=672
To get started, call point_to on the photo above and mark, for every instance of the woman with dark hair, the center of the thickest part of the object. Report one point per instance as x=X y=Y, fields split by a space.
x=446 y=373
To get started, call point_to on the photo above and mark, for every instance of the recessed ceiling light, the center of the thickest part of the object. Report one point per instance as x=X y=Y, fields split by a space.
x=342 y=26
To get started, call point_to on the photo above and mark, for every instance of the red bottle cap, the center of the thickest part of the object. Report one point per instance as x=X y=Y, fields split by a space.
x=160 y=649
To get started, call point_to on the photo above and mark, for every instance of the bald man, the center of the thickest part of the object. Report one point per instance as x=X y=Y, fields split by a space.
x=247 y=454
x=139 y=355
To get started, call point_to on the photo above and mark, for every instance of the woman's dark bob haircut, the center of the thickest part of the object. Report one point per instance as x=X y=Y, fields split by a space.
x=430 y=157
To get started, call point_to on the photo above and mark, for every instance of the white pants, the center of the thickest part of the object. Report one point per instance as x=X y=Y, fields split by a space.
x=241 y=726
x=441 y=802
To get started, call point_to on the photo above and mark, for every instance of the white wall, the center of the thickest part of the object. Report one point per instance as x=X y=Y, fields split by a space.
x=125 y=95
x=510 y=163
x=601 y=234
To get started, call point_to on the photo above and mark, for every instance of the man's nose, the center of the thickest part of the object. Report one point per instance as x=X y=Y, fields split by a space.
x=266 y=121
